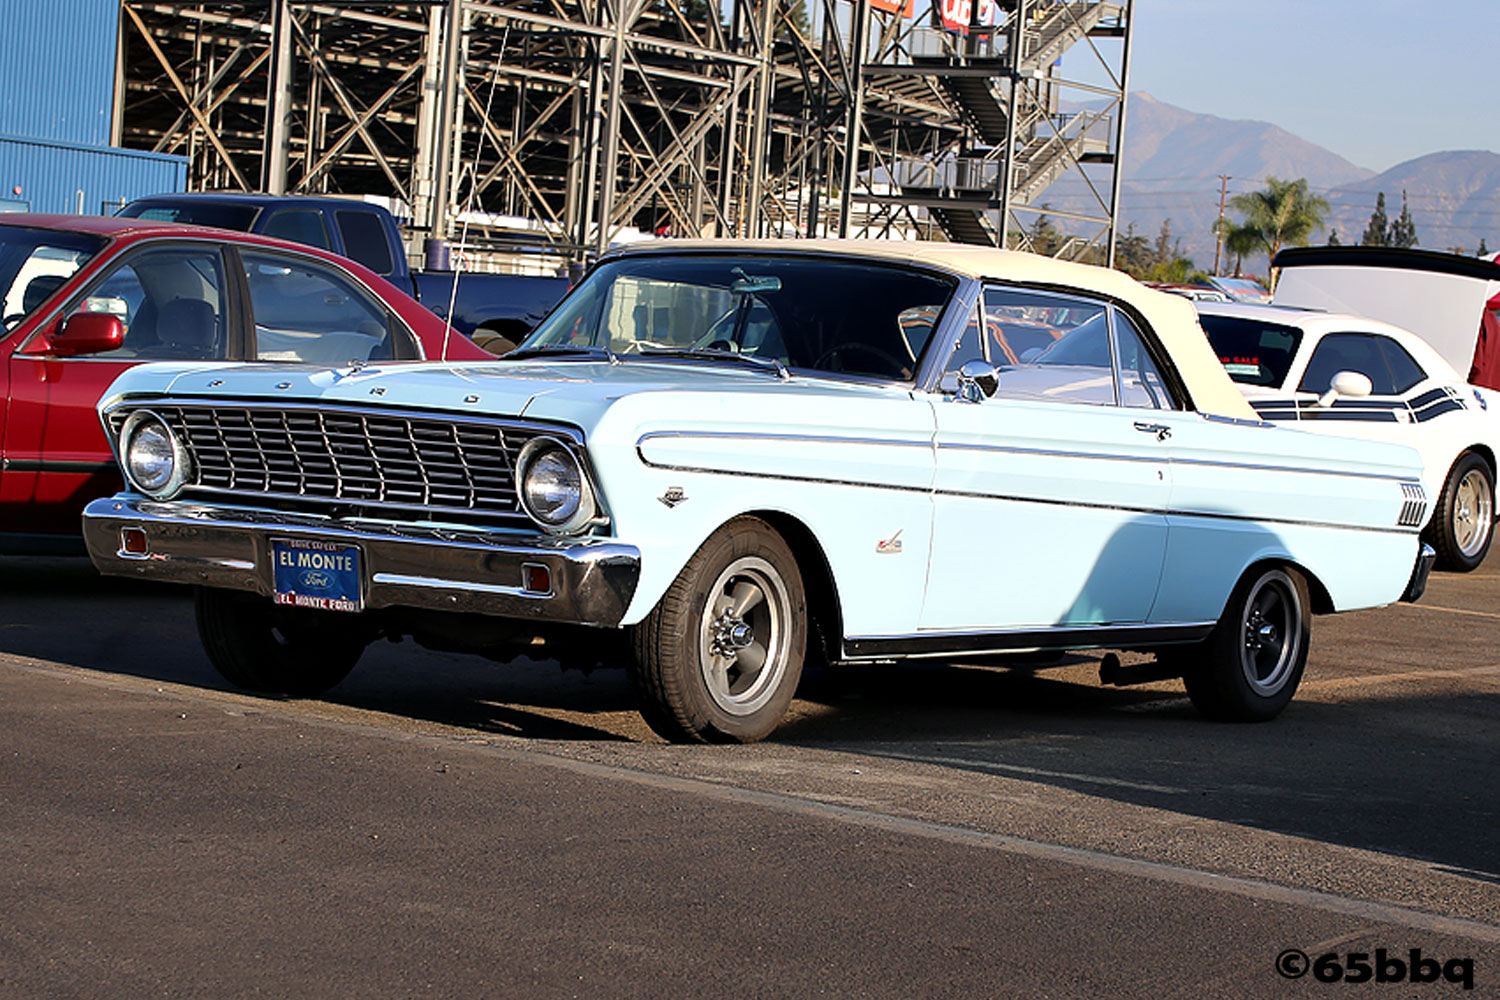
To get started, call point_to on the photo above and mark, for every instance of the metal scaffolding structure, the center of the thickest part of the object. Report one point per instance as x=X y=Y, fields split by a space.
x=559 y=123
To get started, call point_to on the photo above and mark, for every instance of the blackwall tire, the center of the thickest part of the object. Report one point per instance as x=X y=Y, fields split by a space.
x=1464 y=522
x=719 y=658
x=1249 y=667
x=255 y=645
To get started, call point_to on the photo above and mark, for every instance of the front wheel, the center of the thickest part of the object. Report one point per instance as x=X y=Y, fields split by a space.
x=1464 y=521
x=1249 y=667
x=256 y=645
x=719 y=658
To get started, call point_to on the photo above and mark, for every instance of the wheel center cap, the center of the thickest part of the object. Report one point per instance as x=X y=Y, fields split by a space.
x=732 y=635
x=1266 y=634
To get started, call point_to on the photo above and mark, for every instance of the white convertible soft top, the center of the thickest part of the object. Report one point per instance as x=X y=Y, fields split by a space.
x=1172 y=317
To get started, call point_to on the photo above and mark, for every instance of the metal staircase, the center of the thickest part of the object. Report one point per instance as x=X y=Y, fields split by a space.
x=1017 y=139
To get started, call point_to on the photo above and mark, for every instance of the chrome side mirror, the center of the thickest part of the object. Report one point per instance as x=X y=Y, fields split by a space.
x=1346 y=383
x=977 y=381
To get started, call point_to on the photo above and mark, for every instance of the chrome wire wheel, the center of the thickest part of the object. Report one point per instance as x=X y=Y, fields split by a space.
x=1473 y=513
x=1270 y=633
x=743 y=636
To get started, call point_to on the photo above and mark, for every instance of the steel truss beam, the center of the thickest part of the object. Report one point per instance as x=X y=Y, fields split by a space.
x=567 y=121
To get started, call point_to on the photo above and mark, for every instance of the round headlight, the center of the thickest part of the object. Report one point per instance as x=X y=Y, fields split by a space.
x=553 y=488
x=154 y=459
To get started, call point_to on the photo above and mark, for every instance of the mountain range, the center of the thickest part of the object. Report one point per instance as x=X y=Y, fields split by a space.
x=1174 y=159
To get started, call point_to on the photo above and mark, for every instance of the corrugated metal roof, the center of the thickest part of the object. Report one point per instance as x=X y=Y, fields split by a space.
x=60 y=177
x=57 y=78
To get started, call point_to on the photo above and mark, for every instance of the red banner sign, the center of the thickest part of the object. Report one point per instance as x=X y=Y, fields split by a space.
x=906 y=8
x=958 y=14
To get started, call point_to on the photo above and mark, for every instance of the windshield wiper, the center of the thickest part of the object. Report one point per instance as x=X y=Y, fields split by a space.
x=562 y=351
x=773 y=365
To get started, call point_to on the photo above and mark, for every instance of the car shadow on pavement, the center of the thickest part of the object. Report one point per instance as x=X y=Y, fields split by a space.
x=61 y=611
x=1397 y=768
x=1388 y=770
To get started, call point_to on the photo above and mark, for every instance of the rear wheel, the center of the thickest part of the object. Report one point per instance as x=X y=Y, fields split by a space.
x=1249 y=667
x=719 y=658
x=255 y=644
x=1463 y=524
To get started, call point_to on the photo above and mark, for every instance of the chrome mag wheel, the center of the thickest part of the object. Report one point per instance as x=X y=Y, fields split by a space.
x=742 y=641
x=1270 y=635
x=1473 y=513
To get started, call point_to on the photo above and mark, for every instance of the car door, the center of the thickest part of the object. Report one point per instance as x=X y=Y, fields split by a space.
x=175 y=304
x=35 y=267
x=1050 y=495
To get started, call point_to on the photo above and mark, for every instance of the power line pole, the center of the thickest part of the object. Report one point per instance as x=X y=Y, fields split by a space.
x=1219 y=227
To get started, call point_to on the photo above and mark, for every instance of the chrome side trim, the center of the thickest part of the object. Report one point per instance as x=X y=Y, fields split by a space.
x=1172 y=512
x=748 y=436
x=1165 y=458
x=1160 y=511
x=924 y=644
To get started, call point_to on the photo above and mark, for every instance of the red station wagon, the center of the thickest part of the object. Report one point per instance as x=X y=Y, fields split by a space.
x=87 y=297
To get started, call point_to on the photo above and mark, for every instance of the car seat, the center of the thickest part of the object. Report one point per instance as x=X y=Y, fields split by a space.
x=187 y=328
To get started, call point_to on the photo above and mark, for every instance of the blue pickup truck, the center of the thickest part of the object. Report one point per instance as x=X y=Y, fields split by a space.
x=495 y=310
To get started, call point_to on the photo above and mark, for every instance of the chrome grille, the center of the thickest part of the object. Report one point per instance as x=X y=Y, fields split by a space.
x=350 y=456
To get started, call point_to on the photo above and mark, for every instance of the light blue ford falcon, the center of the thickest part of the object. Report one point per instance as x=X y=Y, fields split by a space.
x=720 y=461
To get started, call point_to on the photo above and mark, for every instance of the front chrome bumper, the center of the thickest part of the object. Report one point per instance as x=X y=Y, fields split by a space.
x=1417 y=585
x=402 y=565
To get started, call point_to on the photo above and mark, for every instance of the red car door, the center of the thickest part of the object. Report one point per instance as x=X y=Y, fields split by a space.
x=37 y=267
x=175 y=302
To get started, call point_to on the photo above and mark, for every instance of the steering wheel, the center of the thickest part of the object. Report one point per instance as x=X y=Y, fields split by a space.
x=896 y=365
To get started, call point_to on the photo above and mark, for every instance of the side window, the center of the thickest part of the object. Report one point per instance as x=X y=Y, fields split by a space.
x=1351 y=352
x=300 y=225
x=307 y=312
x=171 y=302
x=365 y=240
x=1049 y=347
x=1405 y=372
x=1140 y=383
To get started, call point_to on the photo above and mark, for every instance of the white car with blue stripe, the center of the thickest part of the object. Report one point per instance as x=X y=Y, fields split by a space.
x=715 y=462
x=1353 y=377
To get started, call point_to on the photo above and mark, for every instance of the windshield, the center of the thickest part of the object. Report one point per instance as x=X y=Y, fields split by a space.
x=1252 y=352
x=34 y=263
x=855 y=317
x=220 y=215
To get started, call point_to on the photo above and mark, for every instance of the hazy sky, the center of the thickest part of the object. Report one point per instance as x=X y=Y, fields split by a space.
x=1376 y=81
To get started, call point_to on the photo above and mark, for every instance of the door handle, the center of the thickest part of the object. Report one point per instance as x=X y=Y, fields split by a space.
x=1162 y=431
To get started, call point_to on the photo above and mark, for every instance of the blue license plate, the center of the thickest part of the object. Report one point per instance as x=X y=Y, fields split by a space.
x=310 y=573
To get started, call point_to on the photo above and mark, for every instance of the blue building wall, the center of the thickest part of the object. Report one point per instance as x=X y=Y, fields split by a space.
x=57 y=81
x=51 y=174
x=57 y=73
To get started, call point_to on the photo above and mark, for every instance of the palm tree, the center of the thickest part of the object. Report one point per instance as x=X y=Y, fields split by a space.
x=1284 y=213
x=1240 y=242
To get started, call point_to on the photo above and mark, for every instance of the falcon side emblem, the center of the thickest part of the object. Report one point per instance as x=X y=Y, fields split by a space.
x=673 y=496
x=889 y=546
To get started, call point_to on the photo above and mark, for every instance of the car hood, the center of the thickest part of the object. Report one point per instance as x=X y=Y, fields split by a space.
x=574 y=392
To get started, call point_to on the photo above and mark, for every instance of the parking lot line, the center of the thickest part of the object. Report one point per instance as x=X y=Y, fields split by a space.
x=1360 y=680
x=1037 y=772
x=1454 y=611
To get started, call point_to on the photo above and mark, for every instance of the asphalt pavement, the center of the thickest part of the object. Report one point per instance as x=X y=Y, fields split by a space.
x=443 y=826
